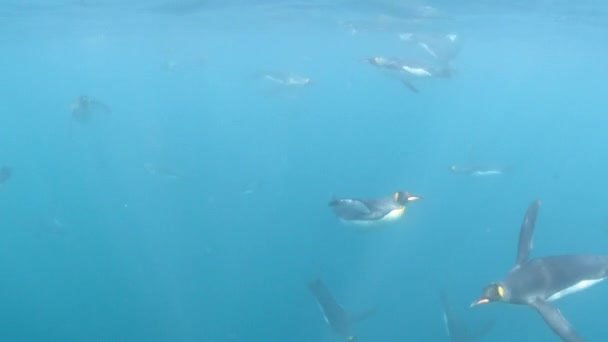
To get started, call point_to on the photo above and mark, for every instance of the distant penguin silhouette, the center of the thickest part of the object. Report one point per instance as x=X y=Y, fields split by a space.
x=83 y=108
x=477 y=171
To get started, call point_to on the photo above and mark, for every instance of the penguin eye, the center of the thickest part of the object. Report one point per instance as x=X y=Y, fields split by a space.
x=396 y=196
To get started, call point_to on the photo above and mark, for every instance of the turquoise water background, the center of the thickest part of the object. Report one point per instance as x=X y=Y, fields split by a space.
x=95 y=247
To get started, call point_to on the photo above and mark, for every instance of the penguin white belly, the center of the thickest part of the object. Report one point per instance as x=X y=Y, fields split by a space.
x=393 y=215
x=487 y=173
x=360 y=223
x=574 y=288
x=416 y=71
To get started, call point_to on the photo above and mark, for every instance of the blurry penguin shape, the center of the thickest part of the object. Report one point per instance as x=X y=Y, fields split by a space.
x=537 y=282
x=334 y=314
x=286 y=85
x=408 y=71
x=84 y=107
x=285 y=79
x=373 y=210
x=394 y=66
x=477 y=170
x=456 y=329
x=5 y=173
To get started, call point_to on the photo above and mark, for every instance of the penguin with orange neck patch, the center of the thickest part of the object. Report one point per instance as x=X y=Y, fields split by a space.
x=537 y=282
x=372 y=210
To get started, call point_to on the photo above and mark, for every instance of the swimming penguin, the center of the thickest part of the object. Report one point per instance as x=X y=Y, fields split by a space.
x=407 y=71
x=477 y=171
x=285 y=79
x=334 y=314
x=393 y=65
x=83 y=106
x=456 y=329
x=384 y=62
x=374 y=210
x=5 y=173
x=537 y=282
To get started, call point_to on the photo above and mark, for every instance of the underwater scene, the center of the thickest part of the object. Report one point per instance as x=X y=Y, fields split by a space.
x=306 y=171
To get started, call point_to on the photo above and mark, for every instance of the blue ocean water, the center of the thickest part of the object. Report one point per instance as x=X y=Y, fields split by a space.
x=196 y=207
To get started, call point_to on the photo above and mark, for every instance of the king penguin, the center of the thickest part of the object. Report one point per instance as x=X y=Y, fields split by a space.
x=372 y=210
x=537 y=282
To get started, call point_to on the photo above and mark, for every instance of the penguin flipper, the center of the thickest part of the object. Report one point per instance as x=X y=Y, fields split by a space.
x=526 y=232
x=445 y=302
x=410 y=86
x=330 y=307
x=556 y=321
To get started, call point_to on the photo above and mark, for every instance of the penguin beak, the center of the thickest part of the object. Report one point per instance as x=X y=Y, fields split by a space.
x=413 y=198
x=480 y=301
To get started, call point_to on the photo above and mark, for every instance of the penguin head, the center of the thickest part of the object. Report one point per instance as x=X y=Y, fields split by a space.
x=375 y=60
x=491 y=293
x=402 y=197
x=371 y=60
